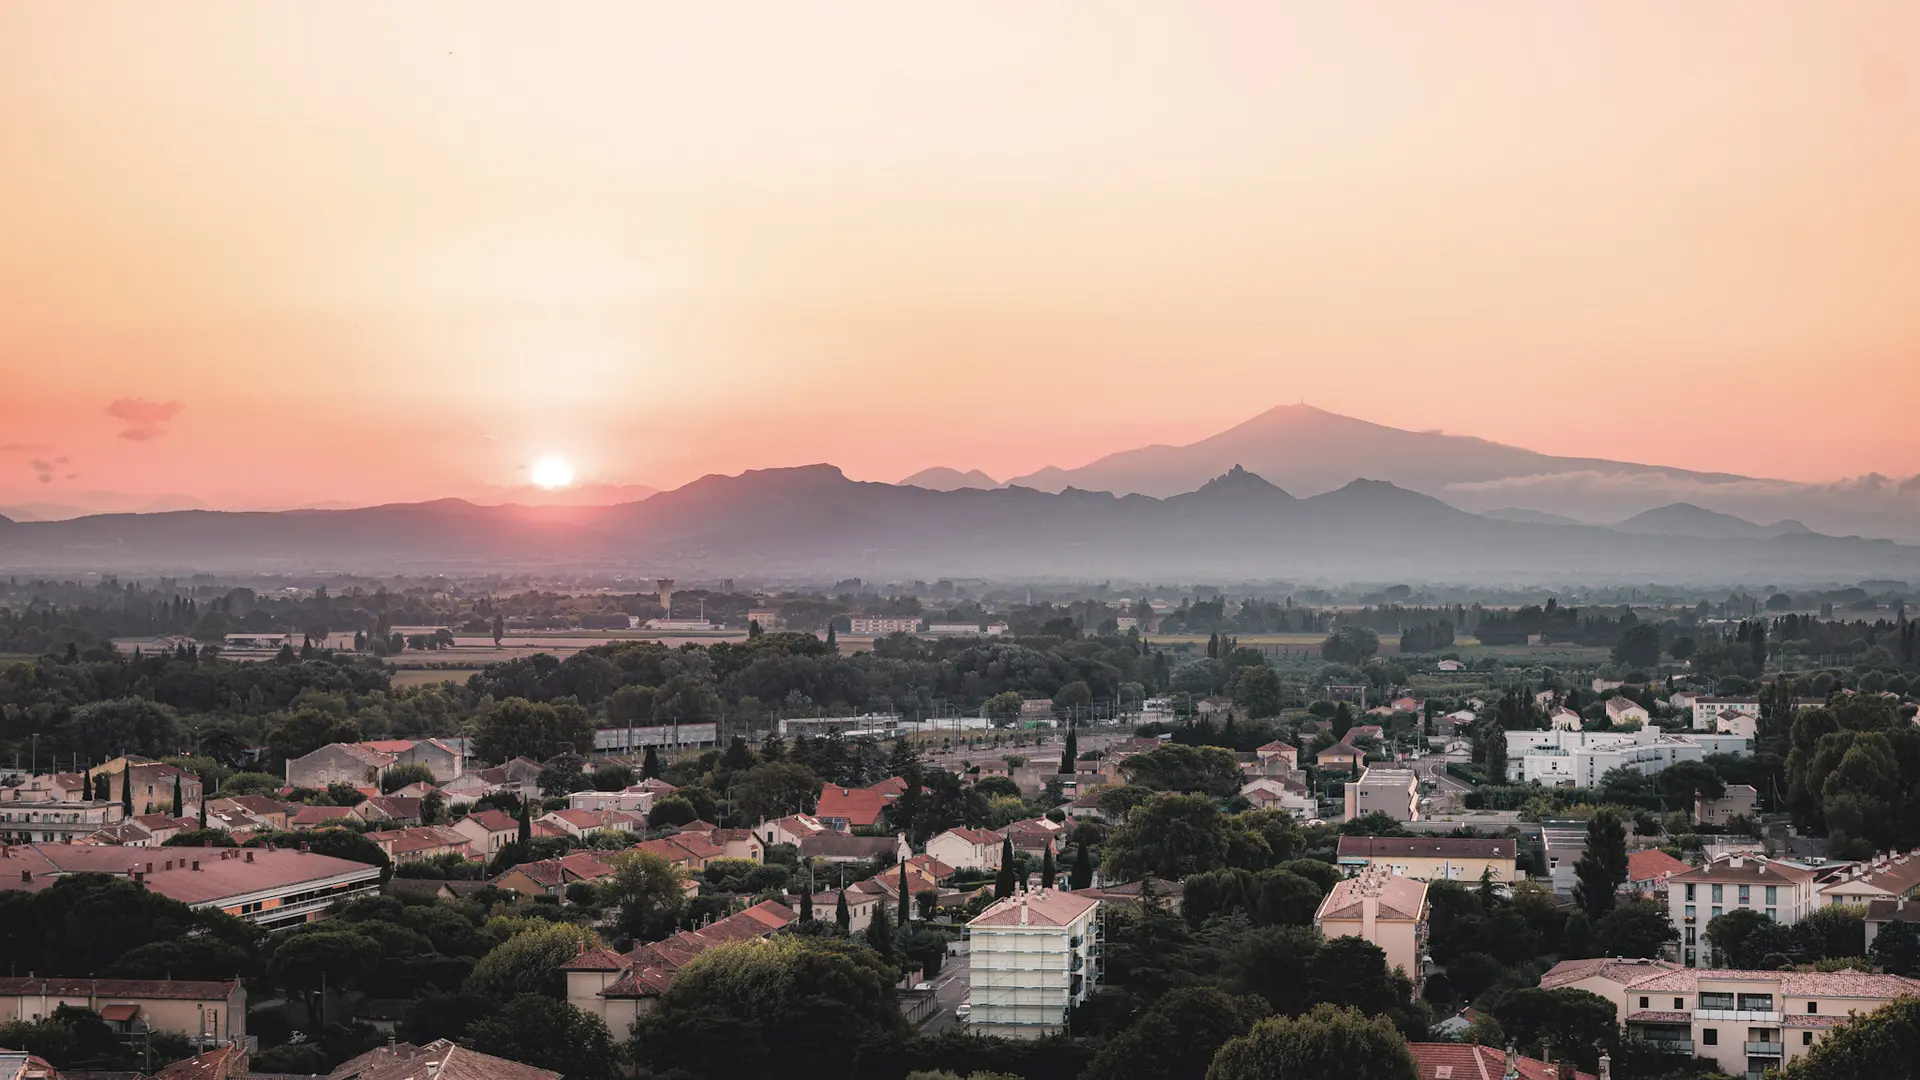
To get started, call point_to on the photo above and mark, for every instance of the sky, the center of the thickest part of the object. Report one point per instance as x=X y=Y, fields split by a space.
x=277 y=253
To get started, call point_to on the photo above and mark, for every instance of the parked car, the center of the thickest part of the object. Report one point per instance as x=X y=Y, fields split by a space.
x=962 y=1011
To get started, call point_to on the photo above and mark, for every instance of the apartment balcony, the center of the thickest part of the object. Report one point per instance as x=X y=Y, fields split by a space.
x=1766 y=1049
x=1672 y=1046
x=1739 y=1016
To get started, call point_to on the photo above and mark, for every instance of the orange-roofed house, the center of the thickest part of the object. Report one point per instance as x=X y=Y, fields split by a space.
x=1648 y=871
x=1380 y=906
x=1470 y=1061
x=488 y=831
x=847 y=809
x=581 y=824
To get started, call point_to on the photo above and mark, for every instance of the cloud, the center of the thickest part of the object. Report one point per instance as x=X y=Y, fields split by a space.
x=24 y=448
x=146 y=419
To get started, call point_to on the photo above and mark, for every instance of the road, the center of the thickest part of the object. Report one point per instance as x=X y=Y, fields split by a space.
x=949 y=989
x=1447 y=791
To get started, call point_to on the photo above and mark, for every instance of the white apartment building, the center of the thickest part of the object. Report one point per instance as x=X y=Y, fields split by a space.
x=1393 y=792
x=1779 y=890
x=1580 y=758
x=1707 y=710
x=882 y=625
x=50 y=822
x=1035 y=955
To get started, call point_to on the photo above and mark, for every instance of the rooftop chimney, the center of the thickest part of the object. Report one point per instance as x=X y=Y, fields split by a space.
x=196 y=864
x=249 y=856
x=26 y=875
x=1566 y=1070
x=1606 y=1067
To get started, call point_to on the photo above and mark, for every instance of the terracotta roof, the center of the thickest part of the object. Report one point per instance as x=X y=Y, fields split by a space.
x=892 y=785
x=361 y=754
x=1652 y=864
x=1399 y=897
x=387 y=746
x=1893 y=910
x=1747 y=868
x=1423 y=847
x=152 y=989
x=1837 y=984
x=651 y=966
x=494 y=820
x=831 y=844
x=396 y=805
x=932 y=867
x=220 y=1063
x=1468 y=1061
x=419 y=838
x=1896 y=875
x=1042 y=907
x=857 y=806
x=1624 y=972
x=318 y=815
x=224 y=872
x=978 y=836
x=1276 y=746
x=597 y=958
x=440 y=1060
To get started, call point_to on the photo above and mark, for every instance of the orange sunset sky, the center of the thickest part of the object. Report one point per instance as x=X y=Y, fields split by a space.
x=269 y=253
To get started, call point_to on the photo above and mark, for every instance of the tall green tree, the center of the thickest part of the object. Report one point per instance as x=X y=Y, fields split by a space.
x=879 y=934
x=646 y=891
x=526 y=824
x=1071 y=753
x=906 y=897
x=1326 y=1044
x=179 y=808
x=650 y=764
x=1602 y=869
x=1884 y=1044
x=1177 y=1037
x=1003 y=881
x=1081 y=876
x=547 y=1034
x=842 y=917
x=1896 y=949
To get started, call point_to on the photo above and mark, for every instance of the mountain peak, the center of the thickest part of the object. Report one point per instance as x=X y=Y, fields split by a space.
x=1238 y=481
x=941 y=478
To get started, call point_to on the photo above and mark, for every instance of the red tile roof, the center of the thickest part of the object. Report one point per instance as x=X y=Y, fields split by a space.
x=1468 y=1061
x=1652 y=864
x=859 y=807
x=153 y=989
x=221 y=1063
x=651 y=967
x=495 y=820
x=1042 y=907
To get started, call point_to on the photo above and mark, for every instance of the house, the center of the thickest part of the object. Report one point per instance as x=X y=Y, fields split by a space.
x=847 y=809
x=220 y=1063
x=487 y=831
x=581 y=824
x=320 y=817
x=395 y=808
x=1450 y=665
x=1281 y=793
x=161 y=828
x=211 y=1010
x=1739 y=800
x=967 y=849
x=1279 y=751
x=788 y=830
x=1168 y=894
x=270 y=813
x=1035 y=836
x=1746 y=1021
x=444 y=761
x=689 y=851
x=518 y=777
x=1034 y=956
x=1648 y=871
x=834 y=846
x=273 y=887
x=1373 y=733
x=125 y=834
x=1211 y=705
x=1384 y=908
x=439 y=1060
x=1405 y=705
x=619 y=989
x=550 y=877
x=422 y=843
x=1545 y=698
x=932 y=869
x=352 y=764
x=20 y=1065
x=826 y=906
x=1393 y=792
x=1881 y=912
x=153 y=783
x=1781 y=890
x=1707 y=711
x=634 y=799
x=1624 y=710
x=1563 y=719
x=882 y=625
x=1471 y=1061
x=1430 y=858
x=1340 y=757
x=732 y=843
x=1885 y=877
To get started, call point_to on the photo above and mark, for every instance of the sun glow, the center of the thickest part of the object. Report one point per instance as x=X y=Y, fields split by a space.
x=552 y=471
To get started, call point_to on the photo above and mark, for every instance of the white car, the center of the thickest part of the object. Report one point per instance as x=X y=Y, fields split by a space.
x=962 y=1011
x=923 y=986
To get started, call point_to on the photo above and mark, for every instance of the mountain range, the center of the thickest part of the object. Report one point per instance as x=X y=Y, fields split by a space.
x=812 y=521
x=1305 y=450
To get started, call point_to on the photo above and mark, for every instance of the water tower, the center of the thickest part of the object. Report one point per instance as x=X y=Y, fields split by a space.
x=666 y=595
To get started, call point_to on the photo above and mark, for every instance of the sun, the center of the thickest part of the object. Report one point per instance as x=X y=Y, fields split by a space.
x=552 y=471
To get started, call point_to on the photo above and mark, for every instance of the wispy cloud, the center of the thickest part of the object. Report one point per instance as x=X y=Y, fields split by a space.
x=24 y=448
x=145 y=419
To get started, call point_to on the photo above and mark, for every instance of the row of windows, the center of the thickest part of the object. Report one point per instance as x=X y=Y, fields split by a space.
x=1727 y=1001
x=1711 y=1037
x=1719 y=893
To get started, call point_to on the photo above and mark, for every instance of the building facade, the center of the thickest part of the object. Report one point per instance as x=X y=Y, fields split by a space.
x=1430 y=858
x=1034 y=956
x=1781 y=891
x=1558 y=758
x=1393 y=792
x=1385 y=909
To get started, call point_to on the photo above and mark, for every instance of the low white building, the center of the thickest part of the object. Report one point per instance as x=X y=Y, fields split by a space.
x=1580 y=758
x=1707 y=710
x=968 y=849
x=632 y=800
x=1623 y=710
x=882 y=625
x=1034 y=956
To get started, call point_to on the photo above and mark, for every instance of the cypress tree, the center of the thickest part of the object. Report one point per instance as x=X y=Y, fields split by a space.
x=806 y=906
x=1047 y=870
x=833 y=641
x=179 y=808
x=203 y=810
x=1072 y=752
x=526 y=825
x=841 y=916
x=126 y=791
x=1081 y=876
x=880 y=933
x=86 y=783
x=650 y=765
x=1003 y=881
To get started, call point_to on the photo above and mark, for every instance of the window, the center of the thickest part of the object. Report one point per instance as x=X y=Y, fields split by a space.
x=1710 y=1036
x=1806 y=1038
x=1679 y=1004
x=1756 y=1002
x=1689 y=892
x=1690 y=912
x=1716 y=1001
x=1773 y=895
x=1716 y=911
x=1717 y=891
x=1643 y=1003
x=1745 y=895
x=1813 y=1007
x=1773 y=914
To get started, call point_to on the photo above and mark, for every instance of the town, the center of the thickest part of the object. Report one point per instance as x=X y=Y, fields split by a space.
x=1669 y=857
